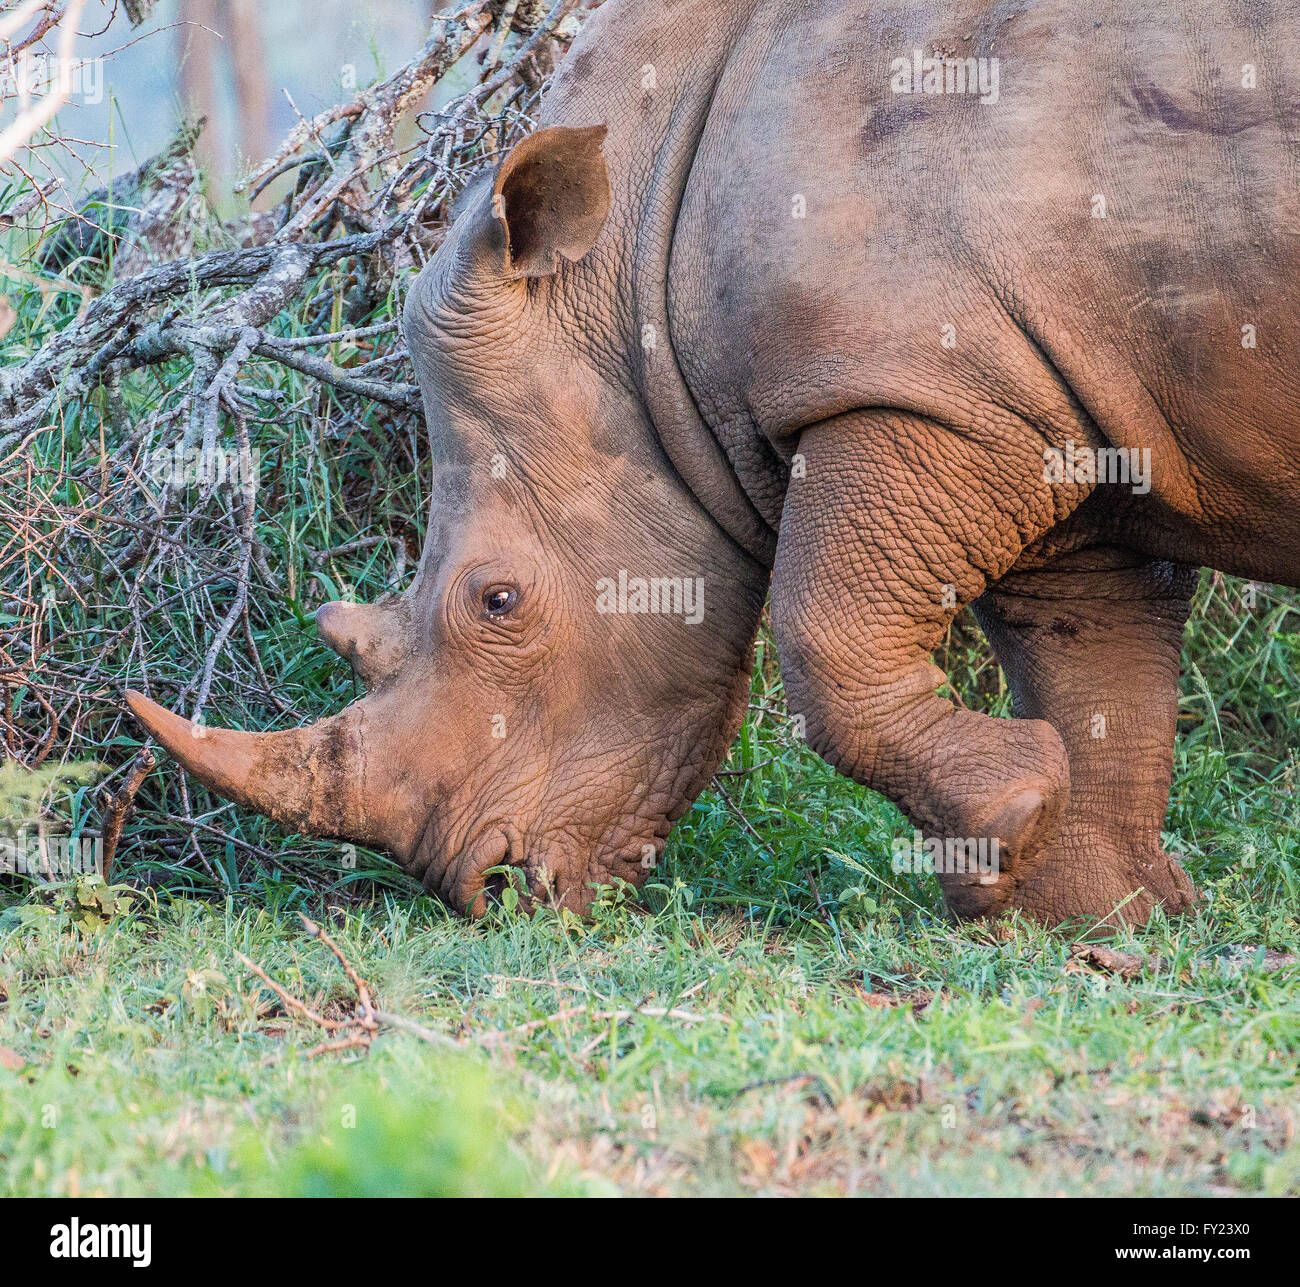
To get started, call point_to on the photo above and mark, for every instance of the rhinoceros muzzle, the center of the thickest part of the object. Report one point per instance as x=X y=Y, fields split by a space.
x=343 y=776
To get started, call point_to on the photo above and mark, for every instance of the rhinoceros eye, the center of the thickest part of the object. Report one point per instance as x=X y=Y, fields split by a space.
x=499 y=599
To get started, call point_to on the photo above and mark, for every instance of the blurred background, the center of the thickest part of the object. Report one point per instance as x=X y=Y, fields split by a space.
x=249 y=67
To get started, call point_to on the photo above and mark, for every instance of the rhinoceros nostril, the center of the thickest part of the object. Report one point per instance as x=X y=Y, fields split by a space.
x=499 y=871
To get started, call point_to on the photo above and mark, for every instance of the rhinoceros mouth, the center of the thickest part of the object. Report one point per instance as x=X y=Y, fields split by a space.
x=476 y=872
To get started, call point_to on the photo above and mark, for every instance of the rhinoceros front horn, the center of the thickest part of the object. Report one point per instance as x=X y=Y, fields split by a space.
x=313 y=778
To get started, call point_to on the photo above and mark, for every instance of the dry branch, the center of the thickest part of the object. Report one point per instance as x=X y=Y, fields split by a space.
x=118 y=805
x=358 y=1030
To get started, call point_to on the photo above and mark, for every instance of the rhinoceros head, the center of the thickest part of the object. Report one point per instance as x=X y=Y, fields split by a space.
x=571 y=661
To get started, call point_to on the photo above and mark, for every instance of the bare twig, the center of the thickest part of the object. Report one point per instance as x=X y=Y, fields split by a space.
x=118 y=805
x=360 y=1029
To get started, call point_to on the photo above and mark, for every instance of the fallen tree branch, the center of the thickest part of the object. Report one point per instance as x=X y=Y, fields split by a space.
x=359 y=1030
x=116 y=333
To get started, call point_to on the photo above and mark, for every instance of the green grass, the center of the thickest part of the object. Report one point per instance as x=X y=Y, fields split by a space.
x=152 y=1062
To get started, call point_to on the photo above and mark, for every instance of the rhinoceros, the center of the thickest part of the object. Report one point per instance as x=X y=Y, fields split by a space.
x=885 y=310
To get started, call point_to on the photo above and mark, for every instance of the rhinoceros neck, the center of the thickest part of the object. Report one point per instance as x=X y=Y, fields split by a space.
x=687 y=438
x=677 y=60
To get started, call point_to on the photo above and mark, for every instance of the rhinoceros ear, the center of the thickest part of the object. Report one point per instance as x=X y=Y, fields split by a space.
x=551 y=196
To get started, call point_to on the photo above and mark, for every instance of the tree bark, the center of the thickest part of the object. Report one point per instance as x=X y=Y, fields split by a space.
x=197 y=39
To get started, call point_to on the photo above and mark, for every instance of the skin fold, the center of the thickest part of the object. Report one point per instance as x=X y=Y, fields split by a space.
x=744 y=310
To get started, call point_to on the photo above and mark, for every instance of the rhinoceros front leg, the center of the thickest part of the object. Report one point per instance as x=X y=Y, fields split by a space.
x=1091 y=643
x=891 y=524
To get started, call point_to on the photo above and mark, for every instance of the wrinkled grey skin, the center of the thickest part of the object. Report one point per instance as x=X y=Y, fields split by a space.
x=827 y=331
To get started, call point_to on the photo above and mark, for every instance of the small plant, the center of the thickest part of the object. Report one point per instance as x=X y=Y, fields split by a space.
x=83 y=905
